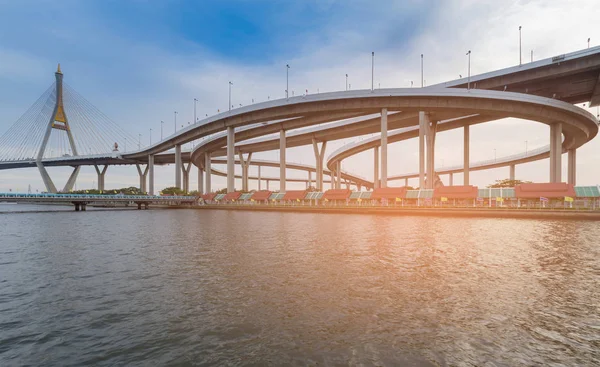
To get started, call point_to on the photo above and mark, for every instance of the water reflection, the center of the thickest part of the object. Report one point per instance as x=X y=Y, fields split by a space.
x=225 y=287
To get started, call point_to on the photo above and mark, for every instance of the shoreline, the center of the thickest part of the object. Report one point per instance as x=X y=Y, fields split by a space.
x=431 y=212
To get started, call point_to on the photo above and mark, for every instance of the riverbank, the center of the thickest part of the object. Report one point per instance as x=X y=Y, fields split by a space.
x=432 y=212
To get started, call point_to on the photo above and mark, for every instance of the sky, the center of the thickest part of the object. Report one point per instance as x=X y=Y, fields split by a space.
x=138 y=61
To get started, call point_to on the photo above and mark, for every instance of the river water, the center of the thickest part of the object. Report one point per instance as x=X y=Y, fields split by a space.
x=199 y=287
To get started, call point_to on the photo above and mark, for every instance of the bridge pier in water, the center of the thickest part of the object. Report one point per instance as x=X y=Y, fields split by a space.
x=101 y=174
x=571 y=166
x=427 y=132
x=151 y=174
x=80 y=206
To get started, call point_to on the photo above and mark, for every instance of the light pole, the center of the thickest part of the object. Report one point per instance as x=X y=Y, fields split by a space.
x=175 y=121
x=139 y=141
x=469 y=71
x=161 y=130
x=421 y=70
x=230 y=84
x=287 y=80
x=372 y=68
x=346 y=82
x=195 y=100
x=519 y=45
x=588 y=42
x=150 y=136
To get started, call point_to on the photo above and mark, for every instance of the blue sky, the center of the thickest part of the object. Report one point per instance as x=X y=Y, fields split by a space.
x=138 y=61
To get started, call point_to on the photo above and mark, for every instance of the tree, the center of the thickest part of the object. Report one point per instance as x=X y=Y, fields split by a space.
x=222 y=191
x=506 y=183
x=172 y=191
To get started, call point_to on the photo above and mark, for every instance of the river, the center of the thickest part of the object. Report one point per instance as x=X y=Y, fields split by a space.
x=201 y=287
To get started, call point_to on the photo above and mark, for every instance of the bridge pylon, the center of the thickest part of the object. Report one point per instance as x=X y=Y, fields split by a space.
x=58 y=121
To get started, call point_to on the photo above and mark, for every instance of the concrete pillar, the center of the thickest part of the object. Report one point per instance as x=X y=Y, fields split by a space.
x=282 y=160
x=101 y=175
x=142 y=175
x=512 y=172
x=451 y=179
x=431 y=132
x=406 y=181
x=572 y=167
x=200 y=180
x=332 y=180
x=186 y=176
x=384 y=155
x=319 y=156
x=178 y=166
x=151 y=174
x=259 y=183
x=466 y=147
x=245 y=163
x=208 y=171
x=338 y=181
x=376 y=167
x=555 y=152
x=309 y=178
x=423 y=123
x=230 y=159
x=267 y=185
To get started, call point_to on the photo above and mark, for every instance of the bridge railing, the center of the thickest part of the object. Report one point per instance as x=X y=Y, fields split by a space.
x=13 y=195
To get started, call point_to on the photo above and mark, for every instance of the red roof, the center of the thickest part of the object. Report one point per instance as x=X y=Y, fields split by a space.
x=389 y=193
x=233 y=195
x=209 y=197
x=341 y=194
x=547 y=190
x=261 y=195
x=294 y=195
x=456 y=192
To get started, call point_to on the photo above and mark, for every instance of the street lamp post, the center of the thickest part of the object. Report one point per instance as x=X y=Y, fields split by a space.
x=175 y=121
x=588 y=42
x=469 y=71
x=372 y=68
x=150 y=136
x=346 y=82
x=139 y=141
x=421 y=70
x=519 y=45
x=195 y=100
x=161 y=130
x=287 y=80
x=230 y=84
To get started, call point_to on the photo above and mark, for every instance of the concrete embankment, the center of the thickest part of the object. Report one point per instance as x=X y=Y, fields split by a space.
x=434 y=212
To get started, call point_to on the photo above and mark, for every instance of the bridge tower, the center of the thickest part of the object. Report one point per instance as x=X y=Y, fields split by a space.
x=58 y=121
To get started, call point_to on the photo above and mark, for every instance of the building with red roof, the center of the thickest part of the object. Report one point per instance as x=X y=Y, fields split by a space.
x=232 y=196
x=456 y=192
x=337 y=194
x=389 y=193
x=547 y=190
x=262 y=195
x=294 y=195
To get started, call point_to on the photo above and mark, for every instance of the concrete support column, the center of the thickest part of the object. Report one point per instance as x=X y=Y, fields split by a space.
x=230 y=159
x=423 y=124
x=431 y=132
x=571 y=167
x=267 y=185
x=319 y=156
x=406 y=181
x=178 y=166
x=555 y=152
x=150 y=174
x=101 y=175
x=451 y=179
x=259 y=180
x=384 y=155
x=512 y=172
x=245 y=163
x=200 y=180
x=309 y=178
x=376 y=167
x=332 y=180
x=282 y=160
x=142 y=175
x=208 y=171
x=466 y=147
x=338 y=171
x=186 y=176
